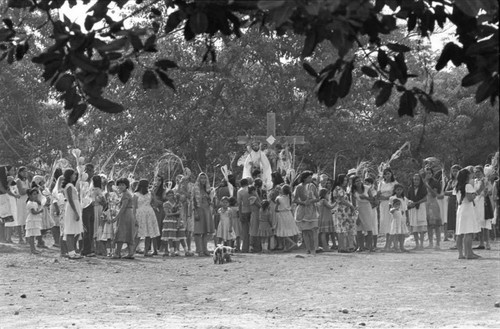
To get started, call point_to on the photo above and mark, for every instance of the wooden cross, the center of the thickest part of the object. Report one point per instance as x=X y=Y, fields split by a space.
x=271 y=139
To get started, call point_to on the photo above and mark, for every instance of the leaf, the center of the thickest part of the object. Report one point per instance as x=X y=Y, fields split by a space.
x=345 y=81
x=407 y=104
x=105 y=105
x=309 y=44
x=309 y=69
x=89 y=22
x=382 y=58
x=83 y=63
x=165 y=79
x=10 y=56
x=125 y=70
x=149 y=80
x=399 y=48
x=76 y=113
x=6 y=34
x=440 y=107
x=8 y=23
x=50 y=69
x=174 y=19
x=369 y=71
x=485 y=90
x=135 y=41
x=473 y=78
x=165 y=64
x=64 y=83
x=21 y=50
x=188 y=33
x=198 y=22
x=150 y=44
x=270 y=4
x=384 y=94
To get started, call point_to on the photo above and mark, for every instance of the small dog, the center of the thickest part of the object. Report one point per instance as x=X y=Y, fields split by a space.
x=222 y=254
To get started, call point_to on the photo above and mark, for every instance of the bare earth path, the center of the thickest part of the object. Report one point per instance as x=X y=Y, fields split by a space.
x=390 y=290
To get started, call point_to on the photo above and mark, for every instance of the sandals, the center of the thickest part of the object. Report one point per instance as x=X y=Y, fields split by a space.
x=129 y=257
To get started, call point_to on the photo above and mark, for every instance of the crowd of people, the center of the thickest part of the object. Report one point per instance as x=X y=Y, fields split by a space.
x=90 y=215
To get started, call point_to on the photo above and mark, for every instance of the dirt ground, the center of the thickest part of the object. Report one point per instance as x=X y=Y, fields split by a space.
x=287 y=290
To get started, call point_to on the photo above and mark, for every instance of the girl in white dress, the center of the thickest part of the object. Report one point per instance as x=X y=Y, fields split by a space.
x=285 y=226
x=467 y=223
x=72 y=212
x=34 y=218
x=384 y=191
x=399 y=227
x=146 y=218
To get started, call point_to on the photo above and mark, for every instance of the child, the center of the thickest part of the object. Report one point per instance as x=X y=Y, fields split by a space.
x=58 y=203
x=398 y=223
x=171 y=225
x=34 y=218
x=265 y=225
x=285 y=226
x=225 y=232
x=108 y=216
x=235 y=221
x=326 y=226
x=146 y=218
x=395 y=237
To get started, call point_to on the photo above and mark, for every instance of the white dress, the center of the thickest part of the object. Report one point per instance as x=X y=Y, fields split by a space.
x=479 y=204
x=466 y=214
x=398 y=224
x=22 y=212
x=33 y=222
x=386 y=190
x=71 y=226
x=146 y=217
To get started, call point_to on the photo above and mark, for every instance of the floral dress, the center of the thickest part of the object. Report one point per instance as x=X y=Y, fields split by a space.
x=344 y=215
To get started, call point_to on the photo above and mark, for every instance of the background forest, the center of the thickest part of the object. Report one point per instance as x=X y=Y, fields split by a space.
x=214 y=102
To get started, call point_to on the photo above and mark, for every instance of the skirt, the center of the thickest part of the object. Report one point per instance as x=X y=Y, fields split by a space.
x=398 y=225
x=126 y=229
x=170 y=230
x=385 y=218
x=443 y=206
x=148 y=226
x=285 y=224
x=326 y=224
x=365 y=216
x=34 y=226
x=265 y=229
x=433 y=212
x=205 y=222
x=22 y=212
x=466 y=219
x=418 y=219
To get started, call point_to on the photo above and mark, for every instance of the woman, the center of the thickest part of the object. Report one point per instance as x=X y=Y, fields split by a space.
x=343 y=212
x=362 y=201
x=22 y=189
x=467 y=223
x=126 y=224
x=433 y=210
x=450 y=193
x=306 y=196
x=384 y=192
x=417 y=213
x=73 y=225
x=203 y=221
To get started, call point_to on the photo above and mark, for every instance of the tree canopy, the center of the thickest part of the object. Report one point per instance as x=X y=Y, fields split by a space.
x=81 y=62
